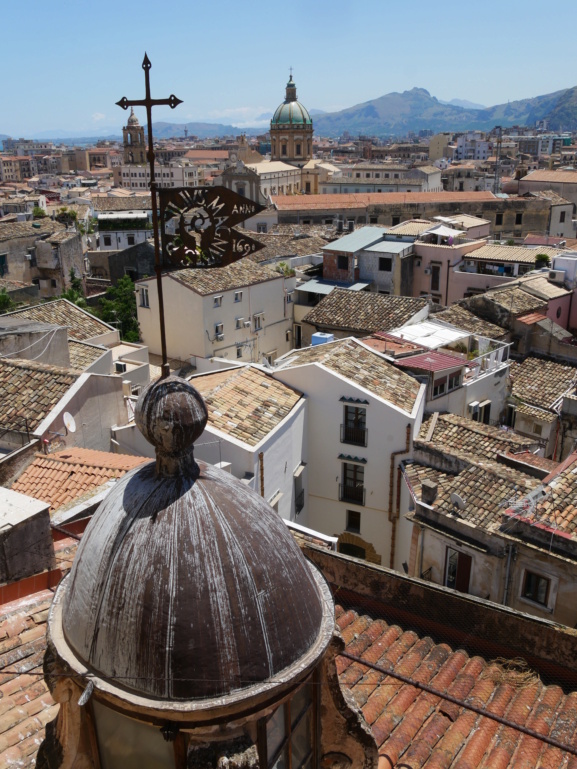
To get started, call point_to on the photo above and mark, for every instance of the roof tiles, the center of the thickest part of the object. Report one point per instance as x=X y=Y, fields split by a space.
x=245 y=403
x=245 y=272
x=66 y=475
x=30 y=390
x=367 y=369
x=363 y=312
x=462 y=318
x=81 y=324
x=540 y=382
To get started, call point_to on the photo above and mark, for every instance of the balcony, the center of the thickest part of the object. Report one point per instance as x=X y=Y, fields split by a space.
x=355 y=436
x=354 y=494
x=299 y=501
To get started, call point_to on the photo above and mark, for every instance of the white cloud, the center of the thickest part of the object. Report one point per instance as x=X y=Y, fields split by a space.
x=97 y=116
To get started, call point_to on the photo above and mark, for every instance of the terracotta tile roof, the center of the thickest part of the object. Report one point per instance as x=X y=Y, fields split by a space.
x=432 y=361
x=83 y=355
x=549 y=195
x=486 y=487
x=541 y=382
x=453 y=432
x=544 y=175
x=140 y=203
x=25 y=703
x=280 y=245
x=528 y=458
x=392 y=345
x=516 y=254
x=413 y=728
x=13 y=285
x=535 y=413
x=81 y=324
x=464 y=319
x=365 y=199
x=30 y=390
x=412 y=227
x=11 y=230
x=541 y=287
x=66 y=475
x=245 y=403
x=559 y=506
x=363 y=312
x=350 y=359
x=531 y=318
x=516 y=301
x=245 y=272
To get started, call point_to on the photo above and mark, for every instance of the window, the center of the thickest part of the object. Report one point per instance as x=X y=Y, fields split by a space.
x=342 y=262
x=518 y=218
x=144 y=301
x=218 y=328
x=130 y=240
x=536 y=588
x=287 y=335
x=258 y=321
x=457 y=570
x=358 y=176
x=238 y=294
x=290 y=732
x=354 y=521
x=239 y=322
x=537 y=429
x=283 y=149
x=498 y=220
x=352 y=486
x=439 y=387
x=396 y=220
x=262 y=228
x=454 y=380
x=561 y=217
x=354 y=428
x=435 y=277
x=107 y=240
x=385 y=264
x=373 y=219
x=298 y=149
x=217 y=302
x=3 y=264
x=289 y=297
x=239 y=351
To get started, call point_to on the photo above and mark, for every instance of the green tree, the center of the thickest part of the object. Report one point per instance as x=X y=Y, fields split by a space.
x=6 y=303
x=38 y=213
x=75 y=293
x=118 y=307
x=66 y=216
x=75 y=282
x=542 y=260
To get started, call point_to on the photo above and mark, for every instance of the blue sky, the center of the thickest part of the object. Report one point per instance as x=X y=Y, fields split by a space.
x=228 y=61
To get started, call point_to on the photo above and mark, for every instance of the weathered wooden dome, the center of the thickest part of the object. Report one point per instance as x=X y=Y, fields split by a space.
x=186 y=584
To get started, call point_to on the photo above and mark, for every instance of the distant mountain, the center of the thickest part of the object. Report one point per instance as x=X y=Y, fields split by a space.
x=398 y=113
x=314 y=112
x=202 y=130
x=464 y=103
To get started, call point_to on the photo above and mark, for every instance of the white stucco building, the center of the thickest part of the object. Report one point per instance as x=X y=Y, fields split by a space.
x=242 y=312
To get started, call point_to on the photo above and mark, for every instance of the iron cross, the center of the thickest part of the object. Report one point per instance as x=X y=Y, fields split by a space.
x=149 y=103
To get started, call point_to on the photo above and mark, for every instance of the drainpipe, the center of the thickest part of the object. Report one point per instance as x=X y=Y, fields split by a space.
x=422 y=552
x=392 y=516
x=261 y=464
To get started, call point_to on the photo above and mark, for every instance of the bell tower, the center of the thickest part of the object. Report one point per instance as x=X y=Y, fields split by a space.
x=133 y=139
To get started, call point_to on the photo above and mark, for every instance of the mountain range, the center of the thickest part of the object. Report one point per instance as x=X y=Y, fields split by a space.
x=414 y=110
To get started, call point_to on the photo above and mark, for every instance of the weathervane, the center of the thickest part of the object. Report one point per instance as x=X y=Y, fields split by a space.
x=149 y=103
x=196 y=222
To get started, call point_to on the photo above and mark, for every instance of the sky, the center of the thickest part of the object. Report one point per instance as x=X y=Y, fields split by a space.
x=229 y=61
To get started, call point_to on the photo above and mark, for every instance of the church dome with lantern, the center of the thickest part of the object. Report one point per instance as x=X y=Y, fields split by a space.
x=291 y=130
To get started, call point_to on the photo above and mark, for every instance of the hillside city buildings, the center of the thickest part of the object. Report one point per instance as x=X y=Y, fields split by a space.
x=388 y=386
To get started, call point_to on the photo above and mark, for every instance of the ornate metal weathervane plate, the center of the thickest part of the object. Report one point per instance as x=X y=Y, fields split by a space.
x=196 y=226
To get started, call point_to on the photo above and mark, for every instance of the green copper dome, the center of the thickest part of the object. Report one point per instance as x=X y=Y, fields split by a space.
x=291 y=111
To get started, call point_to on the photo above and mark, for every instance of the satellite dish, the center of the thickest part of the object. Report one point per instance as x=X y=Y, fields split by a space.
x=69 y=422
x=458 y=501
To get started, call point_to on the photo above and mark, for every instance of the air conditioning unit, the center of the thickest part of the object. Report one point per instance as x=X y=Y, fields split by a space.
x=557 y=276
x=120 y=367
x=246 y=324
x=219 y=337
x=427 y=271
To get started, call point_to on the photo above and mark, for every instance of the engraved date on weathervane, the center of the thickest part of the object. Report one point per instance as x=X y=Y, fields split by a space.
x=197 y=226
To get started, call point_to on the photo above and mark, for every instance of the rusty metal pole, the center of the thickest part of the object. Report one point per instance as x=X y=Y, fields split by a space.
x=148 y=102
x=261 y=464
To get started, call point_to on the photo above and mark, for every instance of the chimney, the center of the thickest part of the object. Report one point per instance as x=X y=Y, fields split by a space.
x=428 y=492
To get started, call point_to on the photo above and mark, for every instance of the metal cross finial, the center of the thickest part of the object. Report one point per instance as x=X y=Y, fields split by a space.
x=291 y=71
x=149 y=103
